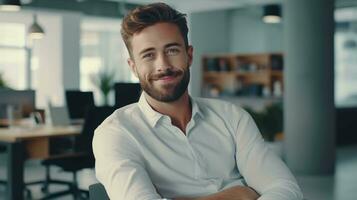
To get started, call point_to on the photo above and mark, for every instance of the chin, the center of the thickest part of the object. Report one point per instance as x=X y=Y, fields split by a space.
x=168 y=97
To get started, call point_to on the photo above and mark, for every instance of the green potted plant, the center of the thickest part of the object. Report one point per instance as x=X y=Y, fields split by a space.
x=104 y=81
x=3 y=84
x=269 y=121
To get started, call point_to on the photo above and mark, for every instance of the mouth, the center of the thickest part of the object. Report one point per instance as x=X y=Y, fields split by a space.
x=167 y=77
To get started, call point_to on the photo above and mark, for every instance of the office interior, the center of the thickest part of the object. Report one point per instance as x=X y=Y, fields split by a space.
x=296 y=75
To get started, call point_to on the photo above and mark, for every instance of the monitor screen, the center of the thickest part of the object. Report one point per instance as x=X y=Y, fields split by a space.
x=21 y=101
x=126 y=93
x=78 y=103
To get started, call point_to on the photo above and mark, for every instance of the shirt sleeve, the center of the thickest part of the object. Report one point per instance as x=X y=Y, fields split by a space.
x=262 y=169
x=120 y=167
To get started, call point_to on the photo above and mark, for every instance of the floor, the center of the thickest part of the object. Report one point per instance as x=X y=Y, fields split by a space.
x=341 y=186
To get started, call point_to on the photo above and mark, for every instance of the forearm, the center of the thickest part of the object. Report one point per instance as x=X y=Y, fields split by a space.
x=234 y=193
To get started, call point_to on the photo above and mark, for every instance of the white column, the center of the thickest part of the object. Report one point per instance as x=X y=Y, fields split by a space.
x=71 y=23
x=309 y=86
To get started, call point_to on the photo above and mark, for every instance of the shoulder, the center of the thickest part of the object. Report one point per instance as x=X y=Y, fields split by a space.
x=115 y=125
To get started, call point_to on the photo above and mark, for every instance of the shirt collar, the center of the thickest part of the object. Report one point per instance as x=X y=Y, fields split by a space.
x=150 y=114
x=196 y=108
x=153 y=116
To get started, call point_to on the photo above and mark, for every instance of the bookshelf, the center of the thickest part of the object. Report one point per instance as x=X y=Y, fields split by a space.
x=242 y=75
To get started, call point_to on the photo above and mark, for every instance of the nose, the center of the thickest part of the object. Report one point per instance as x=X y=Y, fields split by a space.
x=162 y=63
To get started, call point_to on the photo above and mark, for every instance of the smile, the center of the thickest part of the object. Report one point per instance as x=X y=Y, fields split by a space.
x=166 y=77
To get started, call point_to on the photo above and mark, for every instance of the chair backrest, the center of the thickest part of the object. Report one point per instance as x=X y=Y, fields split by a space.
x=93 y=118
x=126 y=93
x=78 y=102
x=97 y=192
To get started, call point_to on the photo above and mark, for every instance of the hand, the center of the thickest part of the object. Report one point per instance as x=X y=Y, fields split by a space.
x=239 y=193
x=233 y=193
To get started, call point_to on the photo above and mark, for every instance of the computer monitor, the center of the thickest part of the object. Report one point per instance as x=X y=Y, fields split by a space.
x=78 y=103
x=126 y=93
x=21 y=101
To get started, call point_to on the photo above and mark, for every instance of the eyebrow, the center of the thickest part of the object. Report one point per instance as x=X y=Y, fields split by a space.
x=146 y=50
x=166 y=46
x=172 y=45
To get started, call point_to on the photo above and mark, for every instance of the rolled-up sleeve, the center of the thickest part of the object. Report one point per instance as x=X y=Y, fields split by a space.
x=120 y=167
x=262 y=169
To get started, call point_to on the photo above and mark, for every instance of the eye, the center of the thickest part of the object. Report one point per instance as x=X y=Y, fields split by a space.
x=172 y=51
x=149 y=55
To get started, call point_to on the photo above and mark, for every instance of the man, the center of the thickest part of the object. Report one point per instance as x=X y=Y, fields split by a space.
x=170 y=145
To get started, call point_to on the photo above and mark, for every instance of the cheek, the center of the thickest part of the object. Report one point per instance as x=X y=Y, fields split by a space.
x=179 y=61
x=143 y=71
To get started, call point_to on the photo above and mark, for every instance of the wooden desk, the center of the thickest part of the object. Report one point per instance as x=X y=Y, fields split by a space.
x=35 y=143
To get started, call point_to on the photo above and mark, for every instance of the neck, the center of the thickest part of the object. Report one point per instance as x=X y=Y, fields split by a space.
x=179 y=111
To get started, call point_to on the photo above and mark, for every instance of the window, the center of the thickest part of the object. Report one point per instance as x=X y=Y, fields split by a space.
x=346 y=69
x=102 y=49
x=345 y=57
x=12 y=34
x=14 y=55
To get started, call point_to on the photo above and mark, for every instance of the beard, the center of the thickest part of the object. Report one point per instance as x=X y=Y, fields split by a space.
x=169 y=92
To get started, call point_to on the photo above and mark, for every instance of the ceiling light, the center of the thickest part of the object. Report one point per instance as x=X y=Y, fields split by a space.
x=272 y=14
x=35 y=30
x=10 y=5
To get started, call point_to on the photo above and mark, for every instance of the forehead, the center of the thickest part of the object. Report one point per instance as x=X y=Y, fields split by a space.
x=156 y=36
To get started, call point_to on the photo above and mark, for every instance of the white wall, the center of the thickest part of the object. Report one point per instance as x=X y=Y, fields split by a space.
x=48 y=52
x=208 y=34
x=71 y=31
x=249 y=34
x=59 y=54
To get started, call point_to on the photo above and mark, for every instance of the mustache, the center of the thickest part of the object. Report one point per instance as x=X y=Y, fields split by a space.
x=168 y=72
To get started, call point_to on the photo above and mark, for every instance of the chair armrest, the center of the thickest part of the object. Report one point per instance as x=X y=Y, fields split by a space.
x=97 y=191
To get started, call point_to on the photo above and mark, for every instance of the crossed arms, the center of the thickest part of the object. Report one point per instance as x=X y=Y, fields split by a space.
x=233 y=193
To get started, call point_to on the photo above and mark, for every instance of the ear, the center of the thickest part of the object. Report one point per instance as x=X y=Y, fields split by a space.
x=132 y=65
x=190 y=55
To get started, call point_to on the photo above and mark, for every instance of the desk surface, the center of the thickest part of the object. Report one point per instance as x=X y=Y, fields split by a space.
x=35 y=142
x=20 y=133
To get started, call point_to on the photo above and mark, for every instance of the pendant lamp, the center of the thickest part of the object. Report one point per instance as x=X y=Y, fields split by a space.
x=35 y=30
x=272 y=13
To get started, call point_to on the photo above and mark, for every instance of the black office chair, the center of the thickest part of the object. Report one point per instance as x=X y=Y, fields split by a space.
x=126 y=93
x=2 y=149
x=81 y=158
x=78 y=103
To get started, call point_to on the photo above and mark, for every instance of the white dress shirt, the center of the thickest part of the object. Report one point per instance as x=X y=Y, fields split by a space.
x=140 y=155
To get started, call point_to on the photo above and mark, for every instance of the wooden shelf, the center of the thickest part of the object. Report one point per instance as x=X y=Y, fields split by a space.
x=241 y=73
x=277 y=73
x=208 y=74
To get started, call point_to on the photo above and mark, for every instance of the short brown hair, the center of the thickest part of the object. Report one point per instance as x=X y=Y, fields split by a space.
x=148 y=15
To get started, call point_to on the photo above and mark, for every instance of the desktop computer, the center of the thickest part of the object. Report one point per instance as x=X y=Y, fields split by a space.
x=16 y=104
